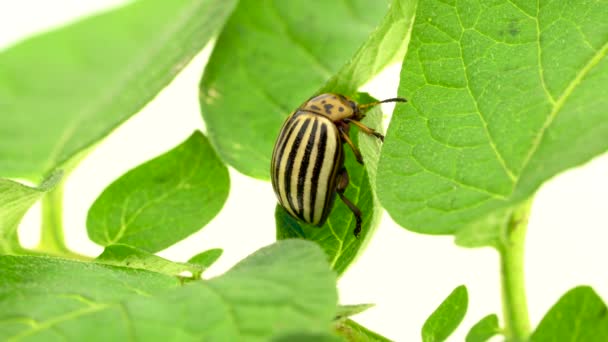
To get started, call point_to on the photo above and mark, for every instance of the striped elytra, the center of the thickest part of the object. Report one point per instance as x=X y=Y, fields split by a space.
x=306 y=158
x=307 y=169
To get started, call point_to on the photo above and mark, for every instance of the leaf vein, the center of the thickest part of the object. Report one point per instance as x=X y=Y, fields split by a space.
x=593 y=61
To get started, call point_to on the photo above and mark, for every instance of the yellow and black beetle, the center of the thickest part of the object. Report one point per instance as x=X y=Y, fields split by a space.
x=308 y=158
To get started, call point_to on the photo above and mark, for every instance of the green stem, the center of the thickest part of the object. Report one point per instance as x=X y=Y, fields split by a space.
x=515 y=306
x=51 y=239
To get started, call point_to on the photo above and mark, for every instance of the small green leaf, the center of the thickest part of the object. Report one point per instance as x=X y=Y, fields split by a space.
x=336 y=235
x=484 y=329
x=127 y=256
x=273 y=55
x=580 y=315
x=163 y=200
x=353 y=331
x=345 y=311
x=281 y=289
x=207 y=258
x=15 y=200
x=503 y=95
x=62 y=91
x=446 y=318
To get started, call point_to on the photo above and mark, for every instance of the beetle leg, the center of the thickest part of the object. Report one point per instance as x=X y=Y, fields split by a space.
x=341 y=185
x=352 y=146
x=366 y=129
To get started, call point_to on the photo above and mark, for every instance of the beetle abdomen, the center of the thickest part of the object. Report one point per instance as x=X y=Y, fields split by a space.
x=305 y=162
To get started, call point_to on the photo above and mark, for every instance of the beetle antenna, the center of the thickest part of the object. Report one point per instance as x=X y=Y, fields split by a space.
x=372 y=104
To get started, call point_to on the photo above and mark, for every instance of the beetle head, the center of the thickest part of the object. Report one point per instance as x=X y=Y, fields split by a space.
x=334 y=106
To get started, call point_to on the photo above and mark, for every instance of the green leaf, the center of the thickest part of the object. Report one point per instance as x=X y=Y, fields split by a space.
x=353 y=331
x=163 y=200
x=15 y=200
x=503 y=95
x=387 y=44
x=127 y=256
x=43 y=298
x=273 y=55
x=484 y=329
x=345 y=311
x=207 y=258
x=580 y=315
x=281 y=289
x=446 y=318
x=62 y=91
x=336 y=235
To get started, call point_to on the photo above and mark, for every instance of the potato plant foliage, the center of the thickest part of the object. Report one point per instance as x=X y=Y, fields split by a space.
x=502 y=96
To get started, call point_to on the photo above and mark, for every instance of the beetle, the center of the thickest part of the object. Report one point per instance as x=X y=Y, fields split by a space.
x=307 y=167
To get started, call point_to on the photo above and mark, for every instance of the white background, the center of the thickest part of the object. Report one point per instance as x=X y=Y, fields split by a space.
x=405 y=274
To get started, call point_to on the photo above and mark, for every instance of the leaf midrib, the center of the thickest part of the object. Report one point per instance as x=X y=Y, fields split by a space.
x=557 y=105
x=591 y=63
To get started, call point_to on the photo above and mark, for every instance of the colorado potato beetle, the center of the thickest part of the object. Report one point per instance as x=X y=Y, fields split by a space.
x=307 y=167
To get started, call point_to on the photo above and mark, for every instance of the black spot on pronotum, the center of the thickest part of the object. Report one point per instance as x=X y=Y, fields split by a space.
x=341 y=109
x=315 y=107
x=323 y=102
x=328 y=108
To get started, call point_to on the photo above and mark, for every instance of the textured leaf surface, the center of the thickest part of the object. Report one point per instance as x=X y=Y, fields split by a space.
x=580 y=315
x=127 y=256
x=15 y=200
x=163 y=200
x=273 y=55
x=336 y=235
x=446 y=318
x=502 y=96
x=284 y=288
x=50 y=299
x=484 y=329
x=62 y=91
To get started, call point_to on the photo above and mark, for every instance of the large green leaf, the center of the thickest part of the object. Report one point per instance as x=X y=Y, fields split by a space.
x=62 y=91
x=163 y=200
x=446 y=318
x=273 y=55
x=579 y=316
x=15 y=200
x=44 y=299
x=502 y=96
x=285 y=288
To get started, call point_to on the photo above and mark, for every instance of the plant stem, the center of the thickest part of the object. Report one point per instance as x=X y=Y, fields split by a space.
x=51 y=238
x=515 y=306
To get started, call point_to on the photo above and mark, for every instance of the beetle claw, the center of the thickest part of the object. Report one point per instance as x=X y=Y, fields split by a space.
x=357 y=230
